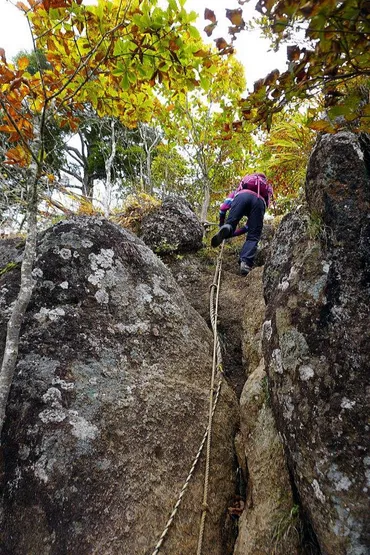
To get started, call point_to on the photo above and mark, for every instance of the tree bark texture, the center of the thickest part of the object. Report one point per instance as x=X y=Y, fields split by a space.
x=21 y=303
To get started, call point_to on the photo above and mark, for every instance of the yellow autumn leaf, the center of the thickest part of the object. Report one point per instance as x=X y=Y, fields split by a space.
x=321 y=125
x=23 y=63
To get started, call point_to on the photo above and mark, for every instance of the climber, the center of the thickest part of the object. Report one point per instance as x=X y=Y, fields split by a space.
x=250 y=199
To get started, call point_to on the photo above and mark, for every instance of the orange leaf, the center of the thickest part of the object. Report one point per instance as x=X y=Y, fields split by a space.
x=16 y=83
x=271 y=77
x=22 y=7
x=293 y=53
x=173 y=45
x=237 y=126
x=236 y=17
x=229 y=50
x=23 y=63
x=6 y=128
x=2 y=55
x=200 y=54
x=258 y=85
x=16 y=155
x=55 y=4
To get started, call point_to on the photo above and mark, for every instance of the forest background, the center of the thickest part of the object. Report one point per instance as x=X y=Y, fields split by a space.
x=198 y=143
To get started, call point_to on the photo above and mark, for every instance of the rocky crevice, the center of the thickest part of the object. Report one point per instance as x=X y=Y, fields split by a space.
x=270 y=521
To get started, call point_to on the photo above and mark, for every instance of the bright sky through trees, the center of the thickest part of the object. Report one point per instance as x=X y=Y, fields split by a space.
x=251 y=49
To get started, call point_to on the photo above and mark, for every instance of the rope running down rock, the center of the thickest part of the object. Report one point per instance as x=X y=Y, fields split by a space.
x=216 y=364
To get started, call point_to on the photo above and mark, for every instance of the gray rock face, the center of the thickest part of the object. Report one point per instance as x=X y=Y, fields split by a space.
x=269 y=524
x=316 y=343
x=9 y=252
x=253 y=318
x=109 y=405
x=172 y=228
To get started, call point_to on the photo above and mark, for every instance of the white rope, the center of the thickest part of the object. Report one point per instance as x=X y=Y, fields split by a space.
x=216 y=363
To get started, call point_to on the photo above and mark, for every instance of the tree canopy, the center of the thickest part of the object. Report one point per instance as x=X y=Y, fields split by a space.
x=138 y=62
x=327 y=53
x=109 y=56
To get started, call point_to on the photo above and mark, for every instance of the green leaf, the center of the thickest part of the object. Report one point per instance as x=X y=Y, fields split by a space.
x=119 y=70
x=173 y=5
x=120 y=48
x=125 y=83
x=193 y=32
x=338 y=111
x=205 y=82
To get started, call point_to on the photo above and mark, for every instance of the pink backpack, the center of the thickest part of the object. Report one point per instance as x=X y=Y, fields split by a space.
x=257 y=183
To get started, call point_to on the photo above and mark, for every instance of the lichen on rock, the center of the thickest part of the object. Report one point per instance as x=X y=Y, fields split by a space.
x=316 y=343
x=172 y=228
x=109 y=403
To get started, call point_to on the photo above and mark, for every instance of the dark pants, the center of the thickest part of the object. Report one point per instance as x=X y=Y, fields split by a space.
x=246 y=204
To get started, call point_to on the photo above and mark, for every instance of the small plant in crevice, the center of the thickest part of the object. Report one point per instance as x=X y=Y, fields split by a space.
x=317 y=230
x=315 y=225
x=135 y=209
x=9 y=267
x=286 y=529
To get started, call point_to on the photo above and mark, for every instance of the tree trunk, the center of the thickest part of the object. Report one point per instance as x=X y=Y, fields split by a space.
x=149 y=171
x=149 y=144
x=108 y=172
x=165 y=184
x=88 y=185
x=142 y=184
x=21 y=303
x=206 y=201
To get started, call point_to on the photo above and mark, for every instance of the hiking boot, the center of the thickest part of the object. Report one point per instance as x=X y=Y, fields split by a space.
x=244 y=268
x=224 y=232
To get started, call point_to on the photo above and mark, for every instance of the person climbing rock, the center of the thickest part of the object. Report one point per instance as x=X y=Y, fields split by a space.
x=250 y=199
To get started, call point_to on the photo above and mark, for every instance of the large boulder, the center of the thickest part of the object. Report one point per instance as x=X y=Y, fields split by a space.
x=109 y=405
x=172 y=228
x=316 y=343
